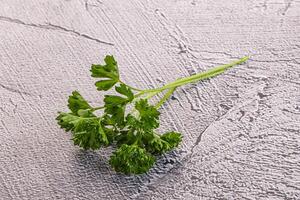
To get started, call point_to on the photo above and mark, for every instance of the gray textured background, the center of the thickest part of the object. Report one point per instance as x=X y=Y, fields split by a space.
x=241 y=129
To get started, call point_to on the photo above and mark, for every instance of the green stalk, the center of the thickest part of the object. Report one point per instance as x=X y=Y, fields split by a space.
x=191 y=79
x=197 y=77
x=97 y=108
x=133 y=88
x=165 y=97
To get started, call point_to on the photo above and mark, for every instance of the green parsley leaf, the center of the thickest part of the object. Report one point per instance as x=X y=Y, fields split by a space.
x=88 y=133
x=117 y=100
x=114 y=100
x=149 y=115
x=109 y=71
x=115 y=106
x=126 y=137
x=126 y=91
x=131 y=159
x=67 y=120
x=172 y=138
x=105 y=84
x=161 y=144
x=156 y=145
x=76 y=102
x=115 y=113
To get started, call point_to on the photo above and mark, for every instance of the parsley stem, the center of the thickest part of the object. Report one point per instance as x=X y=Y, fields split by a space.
x=197 y=77
x=165 y=97
x=151 y=94
x=98 y=108
x=136 y=89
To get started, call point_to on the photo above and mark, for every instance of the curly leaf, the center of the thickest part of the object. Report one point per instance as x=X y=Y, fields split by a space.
x=109 y=72
x=172 y=138
x=126 y=91
x=131 y=159
x=76 y=102
x=67 y=120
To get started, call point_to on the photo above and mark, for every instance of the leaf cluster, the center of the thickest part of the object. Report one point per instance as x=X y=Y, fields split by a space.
x=133 y=132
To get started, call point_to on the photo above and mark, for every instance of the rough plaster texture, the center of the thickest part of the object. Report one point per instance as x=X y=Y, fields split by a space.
x=241 y=130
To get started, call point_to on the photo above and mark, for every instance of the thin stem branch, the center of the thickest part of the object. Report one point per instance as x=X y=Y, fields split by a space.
x=151 y=94
x=98 y=108
x=200 y=76
x=165 y=97
x=133 y=88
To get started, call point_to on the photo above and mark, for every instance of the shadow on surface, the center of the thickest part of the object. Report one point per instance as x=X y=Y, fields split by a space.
x=91 y=169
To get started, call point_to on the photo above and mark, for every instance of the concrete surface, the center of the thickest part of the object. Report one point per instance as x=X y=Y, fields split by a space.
x=241 y=130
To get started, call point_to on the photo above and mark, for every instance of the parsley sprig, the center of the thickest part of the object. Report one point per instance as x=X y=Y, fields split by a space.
x=134 y=131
